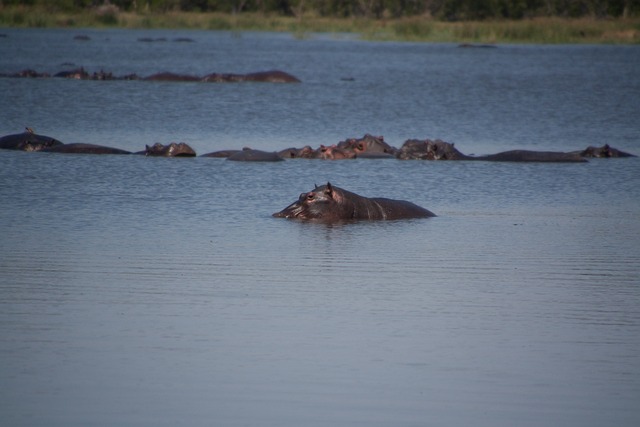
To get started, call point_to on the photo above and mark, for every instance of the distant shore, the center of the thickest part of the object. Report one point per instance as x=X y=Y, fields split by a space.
x=421 y=29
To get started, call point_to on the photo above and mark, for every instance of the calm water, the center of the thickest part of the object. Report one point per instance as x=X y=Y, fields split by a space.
x=147 y=292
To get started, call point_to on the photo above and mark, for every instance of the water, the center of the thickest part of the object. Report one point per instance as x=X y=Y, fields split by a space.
x=145 y=291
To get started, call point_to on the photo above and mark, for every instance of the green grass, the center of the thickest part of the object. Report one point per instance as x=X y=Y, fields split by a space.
x=541 y=30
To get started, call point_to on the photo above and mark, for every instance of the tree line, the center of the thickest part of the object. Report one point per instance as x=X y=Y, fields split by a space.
x=446 y=10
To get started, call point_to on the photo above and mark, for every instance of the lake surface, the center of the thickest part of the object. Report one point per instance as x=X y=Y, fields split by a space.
x=142 y=291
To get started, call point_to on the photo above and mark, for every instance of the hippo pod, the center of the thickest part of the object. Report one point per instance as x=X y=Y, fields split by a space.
x=368 y=146
x=440 y=150
x=330 y=203
x=271 y=76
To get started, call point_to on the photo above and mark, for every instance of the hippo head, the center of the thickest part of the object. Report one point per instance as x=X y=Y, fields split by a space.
x=333 y=152
x=604 y=151
x=366 y=144
x=37 y=143
x=171 y=150
x=181 y=149
x=323 y=203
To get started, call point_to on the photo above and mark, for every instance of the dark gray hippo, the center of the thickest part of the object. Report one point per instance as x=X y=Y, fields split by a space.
x=172 y=77
x=272 y=76
x=27 y=73
x=329 y=203
x=368 y=144
x=28 y=141
x=605 y=151
x=533 y=156
x=82 y=148
x=305 y=152
x=250 y=155
x=220 y=153
x=77 y=74
x=427 y=149
x=174 y=149
x=440 y=150
x=333 y=152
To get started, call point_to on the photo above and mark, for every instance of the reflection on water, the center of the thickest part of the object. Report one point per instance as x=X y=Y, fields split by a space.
x=145 y=291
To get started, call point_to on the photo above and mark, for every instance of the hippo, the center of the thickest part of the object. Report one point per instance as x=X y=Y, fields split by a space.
x=81 y=148
x=333 y=152
x=440 y=150
x=172 y=77
x=305 y=152
x=429 y=150
x=367 y=144
x=171 y=150
x=533 y=156
x=250 y=155
x=221 y=153
x=605 y=151
x=78 y=74
x=28 y=141
x=223 y=78
x=374 y=155
x=329 y=203
x=273 y=76
x=289 y=153
x=27 y=73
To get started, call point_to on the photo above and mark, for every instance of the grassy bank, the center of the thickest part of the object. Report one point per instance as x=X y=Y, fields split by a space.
x=541 y=30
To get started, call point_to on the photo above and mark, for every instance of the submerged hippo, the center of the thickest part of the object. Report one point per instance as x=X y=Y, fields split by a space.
x=368 y=144
x=605 y=151
x=272 y=76
x=175 y=149
x=221 y=153
x=333 y=152
x=441 y=150
x=172 y=77
x=533 y=156
x=305 y=152
x=329 y=203
x=428 y=149
x=251 y=155
x=82 y=148
x=28 y=141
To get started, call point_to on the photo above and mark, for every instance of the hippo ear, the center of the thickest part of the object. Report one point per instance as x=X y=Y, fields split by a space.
x=329 y=188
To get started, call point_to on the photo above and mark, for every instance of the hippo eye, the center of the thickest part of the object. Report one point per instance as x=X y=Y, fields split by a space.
x=310 y=196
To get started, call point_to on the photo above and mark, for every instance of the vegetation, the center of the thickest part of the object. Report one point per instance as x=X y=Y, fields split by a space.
x=472 y=21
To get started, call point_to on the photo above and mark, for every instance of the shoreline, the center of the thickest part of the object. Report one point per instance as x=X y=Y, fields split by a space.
x=412 y=29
